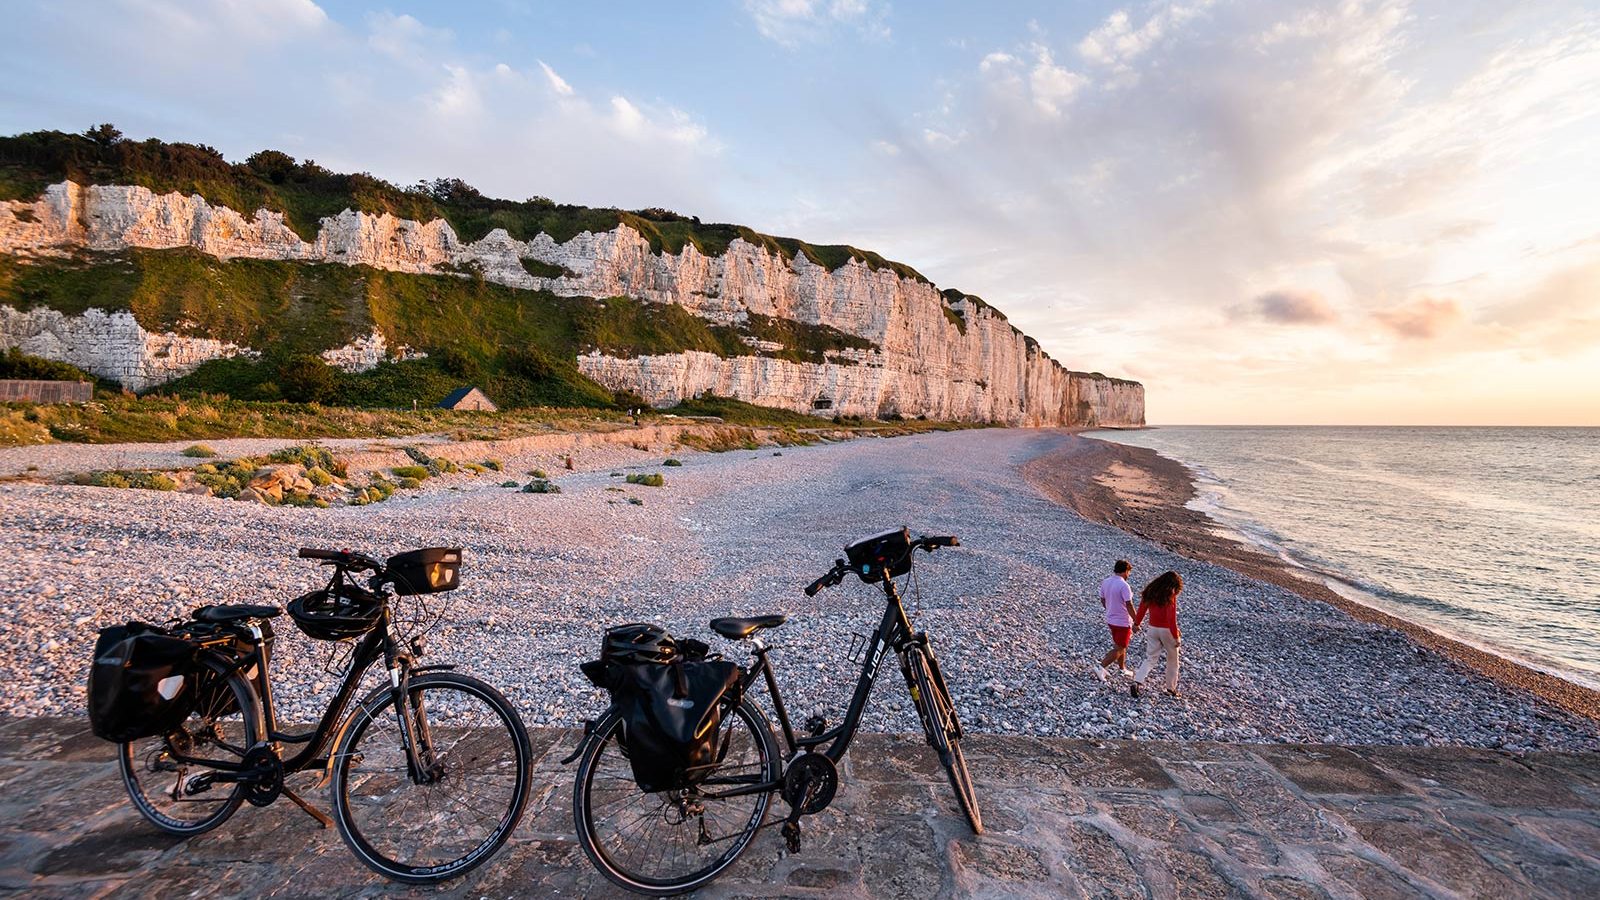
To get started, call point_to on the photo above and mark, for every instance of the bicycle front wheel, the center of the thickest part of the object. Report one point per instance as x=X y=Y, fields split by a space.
x=463 y=811
x=670 y=842
x=932 y=698
x=171 y=778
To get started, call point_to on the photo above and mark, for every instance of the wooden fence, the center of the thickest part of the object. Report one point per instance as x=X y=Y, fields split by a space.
x=16 y=390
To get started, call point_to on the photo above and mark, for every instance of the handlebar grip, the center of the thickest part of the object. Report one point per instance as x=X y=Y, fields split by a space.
x=941 y=540
x=313 y=553
x=819 y=584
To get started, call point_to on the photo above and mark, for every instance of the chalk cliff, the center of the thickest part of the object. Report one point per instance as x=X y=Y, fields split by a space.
x=944 y=358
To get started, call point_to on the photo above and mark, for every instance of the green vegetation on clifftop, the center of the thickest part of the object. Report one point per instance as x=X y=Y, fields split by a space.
x=306 y=193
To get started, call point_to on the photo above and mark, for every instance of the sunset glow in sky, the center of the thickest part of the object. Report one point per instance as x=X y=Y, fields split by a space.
x=1268 y=212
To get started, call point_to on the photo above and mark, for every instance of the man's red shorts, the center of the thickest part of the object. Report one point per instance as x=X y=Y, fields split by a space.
x=1119 y=634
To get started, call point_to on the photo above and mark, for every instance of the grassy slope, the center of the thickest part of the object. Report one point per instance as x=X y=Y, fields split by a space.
x=306 y=192
x=521 y=345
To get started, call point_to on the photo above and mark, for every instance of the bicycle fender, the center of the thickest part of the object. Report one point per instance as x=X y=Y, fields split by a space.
x=441 y=667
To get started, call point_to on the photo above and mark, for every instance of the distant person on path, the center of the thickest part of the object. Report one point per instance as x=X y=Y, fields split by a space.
x=1159 y=601
x=1117 y=598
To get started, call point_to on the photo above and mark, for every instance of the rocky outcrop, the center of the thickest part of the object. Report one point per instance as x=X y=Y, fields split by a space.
x=947 y=359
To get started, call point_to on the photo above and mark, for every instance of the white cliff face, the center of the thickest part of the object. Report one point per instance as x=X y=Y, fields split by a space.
x=110 y=345
x=926 y=364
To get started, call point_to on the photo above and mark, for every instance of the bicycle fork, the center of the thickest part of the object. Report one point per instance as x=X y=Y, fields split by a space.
x=416 y=736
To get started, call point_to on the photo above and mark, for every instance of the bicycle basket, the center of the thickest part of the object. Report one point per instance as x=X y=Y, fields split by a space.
x=883 y=554
x=141 y=683
x=333 y=615
x=431 y=570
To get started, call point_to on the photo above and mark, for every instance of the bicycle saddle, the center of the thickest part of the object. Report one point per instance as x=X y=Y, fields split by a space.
x=735 y=629
x=219 y=615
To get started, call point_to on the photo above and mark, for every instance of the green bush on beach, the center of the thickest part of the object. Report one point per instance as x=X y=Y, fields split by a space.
x=653 y=479
x=199 y=451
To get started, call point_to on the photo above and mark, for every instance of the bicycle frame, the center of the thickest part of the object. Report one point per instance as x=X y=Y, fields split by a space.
x=379 y=642
x=893 y=632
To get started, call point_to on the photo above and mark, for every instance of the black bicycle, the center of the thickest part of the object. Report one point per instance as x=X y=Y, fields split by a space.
x=674 y=841
x=430 y=773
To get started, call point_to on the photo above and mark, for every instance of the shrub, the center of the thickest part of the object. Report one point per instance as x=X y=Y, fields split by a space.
x=205 y=469
x=304 y=378
x=319 y=476
x=308 y=456
x=158 y=481
x=110 y=480
x=416 y=473
x=410 y=484
x=199 y=451
x=494 y=464
x=672 y=462
x=475 y=468
x=382 y=488
x=653 y=479
x=541 y=486
x=539 y=473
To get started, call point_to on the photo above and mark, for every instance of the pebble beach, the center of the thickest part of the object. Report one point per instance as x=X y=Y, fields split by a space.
x=1012 y=612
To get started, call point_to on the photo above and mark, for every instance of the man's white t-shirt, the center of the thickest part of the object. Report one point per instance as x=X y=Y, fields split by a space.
x=1117 y=595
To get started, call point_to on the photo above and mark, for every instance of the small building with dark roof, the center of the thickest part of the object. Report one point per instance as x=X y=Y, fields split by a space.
x=468 y=398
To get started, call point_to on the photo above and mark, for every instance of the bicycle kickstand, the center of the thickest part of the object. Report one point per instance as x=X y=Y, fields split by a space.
x=312 y=811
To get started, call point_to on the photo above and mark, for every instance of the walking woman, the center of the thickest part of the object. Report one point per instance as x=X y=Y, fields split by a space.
x=1159 y=601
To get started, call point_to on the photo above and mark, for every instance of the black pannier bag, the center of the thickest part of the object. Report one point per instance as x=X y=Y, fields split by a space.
x=671 y=704
x=141 y=682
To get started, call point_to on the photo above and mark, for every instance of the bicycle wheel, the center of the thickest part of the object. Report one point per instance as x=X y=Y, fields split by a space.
x=673 y=841
x=932 y=698
x=177 y=795
x=426 y=833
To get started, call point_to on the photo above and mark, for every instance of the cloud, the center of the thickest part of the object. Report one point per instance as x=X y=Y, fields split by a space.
x=1422 y=319
x=1040 y=85
x=1118 y=41
x=793 y=22
x=1288 y=307
x=557 y=83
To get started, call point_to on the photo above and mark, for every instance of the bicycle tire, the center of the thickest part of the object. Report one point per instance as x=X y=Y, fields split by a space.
x=939 y=721
x=475 y=720
x=215 y=723
x=769 y=769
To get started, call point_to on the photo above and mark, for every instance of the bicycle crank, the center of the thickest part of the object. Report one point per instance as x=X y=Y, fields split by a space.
x=810 y=783
x=262 y=777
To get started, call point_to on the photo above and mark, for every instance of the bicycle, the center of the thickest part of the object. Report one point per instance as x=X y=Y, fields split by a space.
x=429 y=750
x=676 y=841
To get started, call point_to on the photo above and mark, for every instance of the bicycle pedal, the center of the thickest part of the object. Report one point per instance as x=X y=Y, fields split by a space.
x=791 y=836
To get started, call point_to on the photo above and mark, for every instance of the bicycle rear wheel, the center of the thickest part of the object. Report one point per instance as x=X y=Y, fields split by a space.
x=178 y=795
x=430 y=832
x=673 y=841
x=932 y=698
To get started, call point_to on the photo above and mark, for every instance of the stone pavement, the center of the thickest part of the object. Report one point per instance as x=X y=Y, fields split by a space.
x=1066 y=818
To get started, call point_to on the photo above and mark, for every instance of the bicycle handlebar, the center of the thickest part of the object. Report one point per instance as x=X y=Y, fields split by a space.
x=346 y=558
x=833 y=576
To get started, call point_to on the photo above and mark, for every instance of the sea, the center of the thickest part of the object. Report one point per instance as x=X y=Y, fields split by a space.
x=1490 y=536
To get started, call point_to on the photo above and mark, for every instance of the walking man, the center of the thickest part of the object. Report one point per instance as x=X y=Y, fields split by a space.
x=1117 y=598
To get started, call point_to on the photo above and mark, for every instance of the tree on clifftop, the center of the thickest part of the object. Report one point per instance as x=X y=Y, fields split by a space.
x=104 y=134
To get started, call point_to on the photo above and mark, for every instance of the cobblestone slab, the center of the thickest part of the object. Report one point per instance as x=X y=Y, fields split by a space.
x=1066 y=818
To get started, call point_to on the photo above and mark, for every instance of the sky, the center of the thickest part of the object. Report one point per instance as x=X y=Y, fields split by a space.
x=1268 y=212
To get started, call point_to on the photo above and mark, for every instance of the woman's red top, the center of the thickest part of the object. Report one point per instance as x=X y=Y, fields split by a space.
x=1164 y=616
